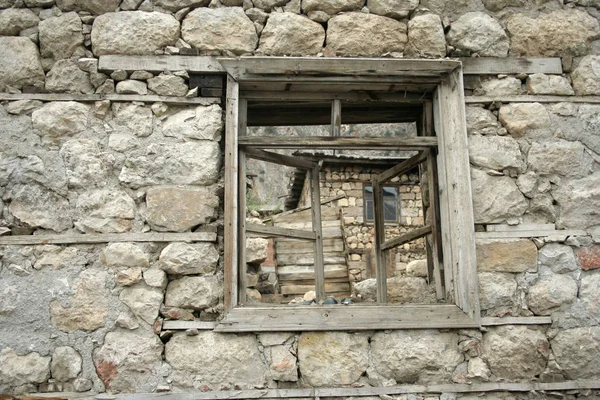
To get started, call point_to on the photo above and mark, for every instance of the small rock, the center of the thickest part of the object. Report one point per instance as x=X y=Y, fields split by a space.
x=479 y=33
x=124 y=255
x=168 y=85
x=131 y=87
x=119 y=75
x=141 y=75
x=66 y=364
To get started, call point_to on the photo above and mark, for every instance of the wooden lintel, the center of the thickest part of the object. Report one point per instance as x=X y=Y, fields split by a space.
x=108 y=238
x=87 y=98
x=531 y=99
x=407 y=237
x=528 y=234
x=290 y=161
x=403 y=167
x=346 y=143
x=275 y=231
x=185 y=325
x=510 y=65
x=353 y=96
x=495 y=321
x=197 y=64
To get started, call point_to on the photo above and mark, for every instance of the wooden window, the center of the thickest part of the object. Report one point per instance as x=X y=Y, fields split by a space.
x=289 y=89
x=390 y=203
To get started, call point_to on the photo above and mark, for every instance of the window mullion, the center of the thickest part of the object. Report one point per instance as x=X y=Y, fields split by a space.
x=381 y=273
x=315 y=204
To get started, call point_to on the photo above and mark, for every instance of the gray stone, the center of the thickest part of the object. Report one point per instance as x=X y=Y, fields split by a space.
x=133 y=32
x=283 y=364
x=175 y=5
x=410 y=356
x=256 y=250
x=66 y=364
x=393 y=8
x=579 y=201
x=268 y=4
x=82 y=384
x=515 y=352
x=496 y=290
x=400 y=289
x=124 y=255
x=128 y=276
x=205 y=28
x=589 y=117
x=168 y=85
x=565 y=32
x=87 y=165
x=156 y=278
x=332 y=358
x=559 y=157
x=522 y=118
x=478 y=369
x=481 y=121
x=425 y=37
x=274 y=338
x=506 y=255
x=122 y=142
x=291 y=34
x=190 y=163
x=131 y=87
x=479 y=33
x=527 y=183
x=14 y=20
x=105 y=211
x=21 y=107
x=257 y=15
x=189 y=259
x=92 y=6
x=586 y=77
x=66 y=77
x=60 y=36
x=127 y=320
x=194 y=292
x=20 y=63
x=60 y=118
x=548 y=84
x=127 y=360
x=132 y=119
x=559 y=258
x=180 y=209
x=496 y=152
x=417 y=268
x=202 y=123
x=141 y=75
x=220 y=361
x=57 y=257
x=508 y=86
x=319 y=16
x=589 y=295
x=495 y=198
x=39 y=207
x=332 y=7
x=577 y=352
x=360 y=34
x=550 y=292
x=143 y=301
x=497 y=5
x=119 y=75
x=16 y=370
x=108 y=87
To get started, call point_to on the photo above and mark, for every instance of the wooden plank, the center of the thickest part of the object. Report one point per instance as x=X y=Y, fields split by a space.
x=436 y=237
x=307 y=224
x=511 y=65
x=520 y=227
x=336 y=118
x=315 y=201
x=296 y=210
x=309 y=259
x=197 y=64
x=230 y=240
x=403 y=167
x=90 y=98
x=327 y=288
x=242 y=276
x=380 y=267
x=310 y=280
x=294 y=273
x=304 y=214
x=367 y=94
x=527 y=234
x=531 y=99
x=290 y=161
x=494 y=321
x=406 y=237
x=185 y=325
x=344 y=318
x=275 y=231
x=108 y=238
x=345 y=143
x=334 y=245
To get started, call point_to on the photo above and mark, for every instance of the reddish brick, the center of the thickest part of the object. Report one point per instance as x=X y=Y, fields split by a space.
x=589 y=257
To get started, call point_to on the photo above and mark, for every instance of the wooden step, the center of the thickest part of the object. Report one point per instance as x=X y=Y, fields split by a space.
x=329 y=288
x=309 y=259
x=306 y=225
x=301 y=248
x=299 y=272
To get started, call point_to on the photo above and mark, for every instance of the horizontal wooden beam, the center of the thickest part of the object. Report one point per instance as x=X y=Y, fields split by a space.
x=347 y=143
x=528 y=234
x=363 y=95
x=275 y=231
x=108 y=238
x=203 y=65
x=407 y=237
x=510 y=65
x=495 y=321
x=519 y=227
x=531 y=99
x=344 y=318
x=185 y=325
x=403 y=167
x=282 y=159
x=87 y=98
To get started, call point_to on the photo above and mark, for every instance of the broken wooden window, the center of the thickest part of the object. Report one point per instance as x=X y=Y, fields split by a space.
x=390 y=203
x=335 y=94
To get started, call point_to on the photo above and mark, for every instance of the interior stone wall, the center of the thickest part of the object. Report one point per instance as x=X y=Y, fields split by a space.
x=89 y=317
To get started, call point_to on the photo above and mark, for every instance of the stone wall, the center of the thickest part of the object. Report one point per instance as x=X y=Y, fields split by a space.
x=88 y=317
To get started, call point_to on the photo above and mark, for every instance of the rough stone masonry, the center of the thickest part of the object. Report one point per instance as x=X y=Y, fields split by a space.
x=87 y=316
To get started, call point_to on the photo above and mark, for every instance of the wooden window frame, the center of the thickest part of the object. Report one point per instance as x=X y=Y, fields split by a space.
x=397 y=199
x=456 y=215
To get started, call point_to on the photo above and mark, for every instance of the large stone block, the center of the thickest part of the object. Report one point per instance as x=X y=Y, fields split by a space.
x=283 y=365
x=515 y=352
x=332 y=7
x=586 y=77
x=496 y=290
x=291 y=34
x=66 y=364
x=479 y=33
x=61 y=36
x=220 y=361
x=105 y=211
x=558 y=257
x=132 y=119
x=16 y=370
x=60 y=118
x=189 y=259
x=506 y=255
x=180 y=209
x=577 y=352
x=66 y=77
x=589 y=257
x=201 y=123
x=143 y=301
x=124 y=255
x=496 y=152
x=168 y=85
x=551 y=292
x=39 y=207
x=87 y=165
x=207 y=28
x=559 y=157
x=558 y=33
x=521 y=118
x=507 y=86
x=548 y=84
x=579 y=201
x=400 y=289
x=425 y=37
x=366 y=35
x=195 y=292
x=92 y=6
x=332 y=358
x=133 y=32
x=481 y=121
x=20 y=63
x=495 y=198
x=14 y=20
x=256 y=250
x=410 y=356
x=392 y=8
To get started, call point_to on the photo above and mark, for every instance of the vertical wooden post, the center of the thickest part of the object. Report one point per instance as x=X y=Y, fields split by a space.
x=336 y=118
x=230 y=273
x=380 y=266
x=315 y=203
x=242 y=118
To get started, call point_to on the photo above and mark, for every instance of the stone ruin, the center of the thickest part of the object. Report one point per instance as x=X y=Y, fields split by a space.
x=92 y=317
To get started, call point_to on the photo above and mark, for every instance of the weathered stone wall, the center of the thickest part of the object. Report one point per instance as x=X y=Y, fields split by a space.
x=81 y=317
